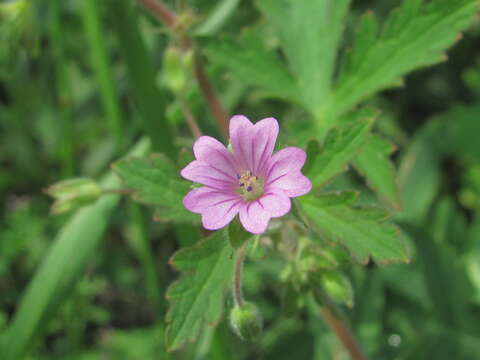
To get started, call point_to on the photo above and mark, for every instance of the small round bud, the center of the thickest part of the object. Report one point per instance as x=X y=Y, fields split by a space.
x=246 y=321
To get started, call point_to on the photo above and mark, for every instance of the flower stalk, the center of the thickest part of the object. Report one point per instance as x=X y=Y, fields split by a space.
x=237 y=275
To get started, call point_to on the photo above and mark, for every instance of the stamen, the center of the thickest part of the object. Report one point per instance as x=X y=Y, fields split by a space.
x=251 y=187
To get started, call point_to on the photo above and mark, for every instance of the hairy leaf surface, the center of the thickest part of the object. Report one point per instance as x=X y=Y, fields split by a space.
x=373 y=162
x=156 y=181
x=340 y=147
x=415 y=35
x=196 y=299
x=355 y=228
x=319 y=25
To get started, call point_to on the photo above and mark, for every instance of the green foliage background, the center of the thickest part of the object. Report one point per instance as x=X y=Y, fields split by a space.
x=383 y=94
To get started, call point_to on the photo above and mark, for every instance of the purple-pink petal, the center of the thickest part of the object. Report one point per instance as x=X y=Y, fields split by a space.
x=293 y=184
x=217 y=208
x=213 y=152
x=284 y=172
x=275 y=203
x=253 y=144
x=208 y=175
x=254 y=217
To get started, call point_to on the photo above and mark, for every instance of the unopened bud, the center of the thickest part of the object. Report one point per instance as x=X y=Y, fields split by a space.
x=72 y=193
x=246 y=321
x=177 y=65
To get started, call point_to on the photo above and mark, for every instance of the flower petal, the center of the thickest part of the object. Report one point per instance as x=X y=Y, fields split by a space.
x=239 y=126
x=263 y=143
x=217 y=208
x=220 y=214
x=213 y=152
x=209 y=175
x=284 y=172
x=293 y=184
x=253 y=144
x=254 y=217
x=275 y=203
x=286 y=160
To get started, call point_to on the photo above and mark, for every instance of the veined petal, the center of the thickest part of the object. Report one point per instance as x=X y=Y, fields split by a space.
x=213 y=152
x=254 y=217
x=263 y=143
x=239 y=126
x=290 y=159
x=217 y=208
x=284 y=172
x=253 y=144
x=293 y=184
x=275 y=203
x=206 y=174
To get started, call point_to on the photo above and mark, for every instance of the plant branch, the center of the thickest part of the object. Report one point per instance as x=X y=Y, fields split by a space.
x=334 y=318
x=237 y=275
x=170 y=20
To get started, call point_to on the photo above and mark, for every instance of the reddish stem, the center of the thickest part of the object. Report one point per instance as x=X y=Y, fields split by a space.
x=209 y=94
x=344 y=334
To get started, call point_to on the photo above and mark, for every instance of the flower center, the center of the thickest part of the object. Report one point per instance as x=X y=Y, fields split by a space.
x=250 y=186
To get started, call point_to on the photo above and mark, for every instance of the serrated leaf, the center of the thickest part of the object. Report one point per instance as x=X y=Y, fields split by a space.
x=196 y=299
x=373 y=162
x=156 y=181
x=310 y=33
x=362 y=235
x=254 y=64
x=414 y=36
x=341 y=145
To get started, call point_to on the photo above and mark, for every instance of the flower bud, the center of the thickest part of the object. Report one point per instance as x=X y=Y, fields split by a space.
x=246 y=321
x=72 y=193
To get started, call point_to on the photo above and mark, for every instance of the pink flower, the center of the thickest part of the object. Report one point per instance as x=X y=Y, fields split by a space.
x=249 y=181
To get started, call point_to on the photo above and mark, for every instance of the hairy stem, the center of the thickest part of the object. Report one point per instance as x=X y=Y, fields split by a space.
x=334 y=318
x=237 y=275
x=210 y=96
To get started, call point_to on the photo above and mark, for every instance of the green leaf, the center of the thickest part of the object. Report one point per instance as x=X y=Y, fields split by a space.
x=355 y=229
x=156 y=181
x=254 y=65
x=73 y=247
x=341 y=145
x=414 y=36
x=196 y=299
x=310 y=32
x=373 y=162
